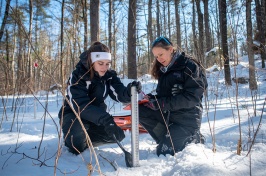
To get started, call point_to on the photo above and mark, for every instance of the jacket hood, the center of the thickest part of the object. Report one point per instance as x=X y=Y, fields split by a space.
x=84 y=59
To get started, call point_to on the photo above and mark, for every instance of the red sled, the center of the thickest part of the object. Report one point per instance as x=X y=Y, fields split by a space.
x=124 y=122
x=128 y=107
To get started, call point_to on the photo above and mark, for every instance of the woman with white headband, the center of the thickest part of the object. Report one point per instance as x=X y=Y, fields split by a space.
x=88 y=86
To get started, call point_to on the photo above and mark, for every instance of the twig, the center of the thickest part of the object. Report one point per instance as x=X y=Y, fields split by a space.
x=258 y=128
x=111 y=162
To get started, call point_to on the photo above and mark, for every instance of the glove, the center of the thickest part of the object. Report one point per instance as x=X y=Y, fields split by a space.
x=112 y=129
x=152 y=104
x=150 y=96
x=177 y=88
x=137 y=84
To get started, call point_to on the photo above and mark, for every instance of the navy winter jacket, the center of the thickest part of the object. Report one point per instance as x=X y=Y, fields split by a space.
x=185 y=106
x=87 y=96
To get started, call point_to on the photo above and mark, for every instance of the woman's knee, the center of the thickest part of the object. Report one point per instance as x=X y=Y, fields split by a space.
x=75 y=137
x=76 y=141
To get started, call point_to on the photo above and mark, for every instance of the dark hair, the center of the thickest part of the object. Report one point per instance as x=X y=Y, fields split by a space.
x=95 y=47
x=164 y=43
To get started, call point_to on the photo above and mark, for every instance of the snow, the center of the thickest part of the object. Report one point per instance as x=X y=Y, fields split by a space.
x=23 y=153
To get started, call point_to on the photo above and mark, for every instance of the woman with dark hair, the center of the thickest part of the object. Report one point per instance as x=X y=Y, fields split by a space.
x=173 y=116
x=87 y=88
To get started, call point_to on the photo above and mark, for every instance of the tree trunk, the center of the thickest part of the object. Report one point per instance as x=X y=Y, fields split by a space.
x=7 y=68
x=94 y=20
x=169 y=19
x=185 y=26
x=132 y=65
x=260 y=18
x=195 y=40
x=252 y=77
x=223 y=26
x=158 y=18
x=4 y=19
x=20 y=68
x=263 y=29
x=163 y=18
x=150 y=35
x=62 y=47
x=30 y=65
x=177 y=21
x=110 y=24
x=201 y=34
x=113 y=40
x=208 y=43
x=85 y=22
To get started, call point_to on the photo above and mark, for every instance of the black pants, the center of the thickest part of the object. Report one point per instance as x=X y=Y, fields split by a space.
x=75 y=138
x=155 y=123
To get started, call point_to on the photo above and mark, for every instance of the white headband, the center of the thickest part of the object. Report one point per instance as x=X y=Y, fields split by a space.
x=95 y=56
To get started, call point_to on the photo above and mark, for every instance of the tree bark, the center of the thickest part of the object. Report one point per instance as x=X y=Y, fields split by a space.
x=195 y=43
x=62 y=46
x=132 y=65
x=169 y=19
x=158 y=27
x=150 y=34
x=110 y=24
x=208 y=43
x=260 y=18
x=4 y=19
x=223 y=26
x=30 y=65
x=177 y=21
x=201 y=34
x=263 y=29
x=252 y=77
x=85 y=22
x=94 y=20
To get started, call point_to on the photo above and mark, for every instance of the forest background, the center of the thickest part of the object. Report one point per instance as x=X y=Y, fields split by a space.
x=41 y=40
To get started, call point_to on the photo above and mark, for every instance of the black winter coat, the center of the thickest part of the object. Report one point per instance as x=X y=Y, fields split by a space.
x=87 y=96
x=185 y=107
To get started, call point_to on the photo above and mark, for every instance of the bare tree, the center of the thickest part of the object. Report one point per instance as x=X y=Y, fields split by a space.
x=201 y=33
x=158 y=27
x=150 y=34
x=169 y=19
x=208 y=43
x=132 y=63
x=252 y=77
x=30 y=66
x=177 y=21
x=261 y=27
x=85 y=22
x=94 y=20
x=5 y=19
x=195 y=43
x=223 y=27
x=62 y=44
x=110 y=24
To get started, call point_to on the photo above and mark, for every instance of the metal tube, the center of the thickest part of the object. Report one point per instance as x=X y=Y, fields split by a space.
x=134 y=127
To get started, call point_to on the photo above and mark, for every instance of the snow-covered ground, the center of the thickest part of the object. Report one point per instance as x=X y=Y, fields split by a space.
x=23 y=153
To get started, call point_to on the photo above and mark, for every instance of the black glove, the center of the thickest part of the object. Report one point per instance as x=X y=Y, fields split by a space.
x=177 y=88
x=152 y=104
x=112 y=129
x=137 y=84
x=150 y=96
